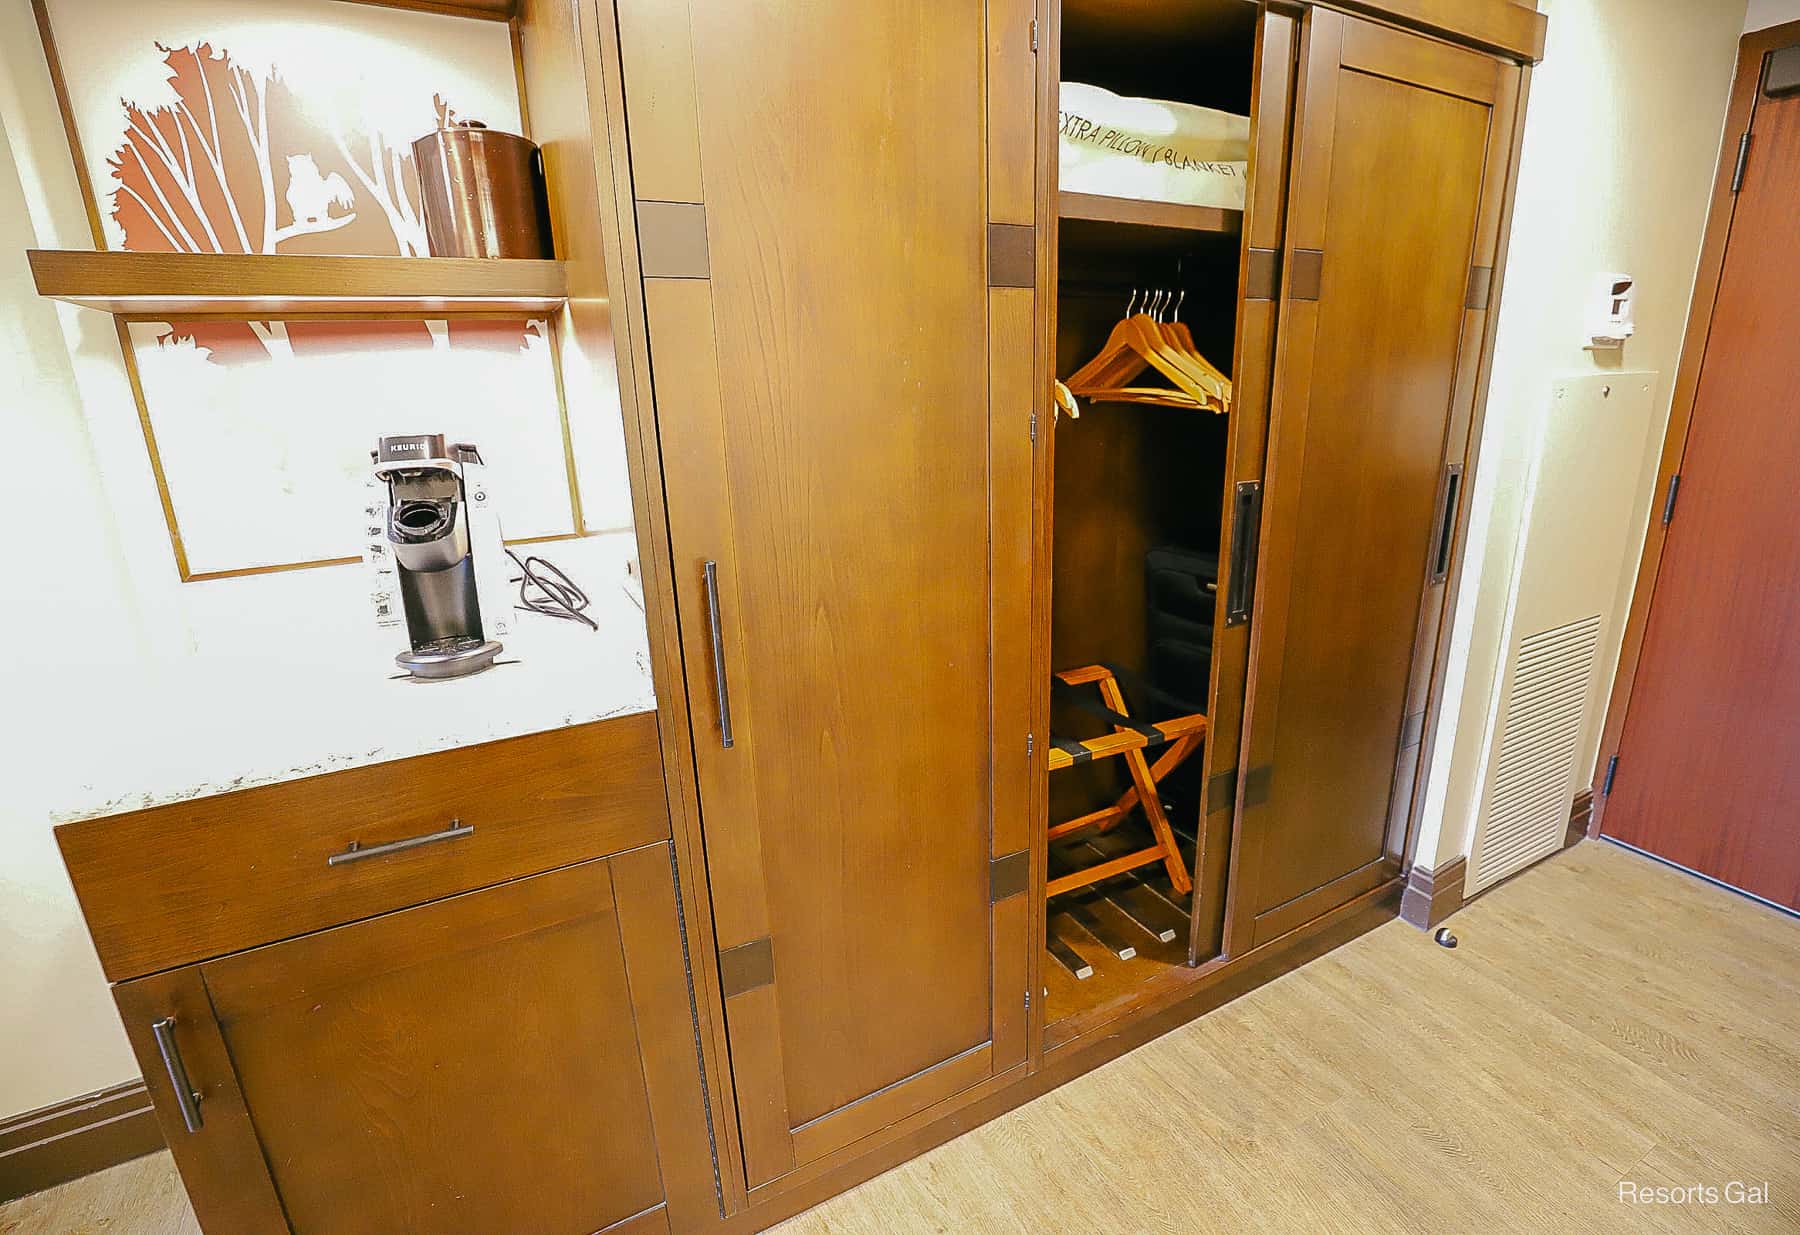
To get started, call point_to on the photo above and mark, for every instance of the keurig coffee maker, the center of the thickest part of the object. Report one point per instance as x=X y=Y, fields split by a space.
x=428 y=528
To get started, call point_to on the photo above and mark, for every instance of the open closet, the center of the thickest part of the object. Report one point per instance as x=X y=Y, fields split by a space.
x=1160 y=421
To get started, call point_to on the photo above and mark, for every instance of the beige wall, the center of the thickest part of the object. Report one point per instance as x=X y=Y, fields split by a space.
x=1621 y=140
x=60 y=558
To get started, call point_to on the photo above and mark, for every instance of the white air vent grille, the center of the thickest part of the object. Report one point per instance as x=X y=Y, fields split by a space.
x=1526 y=811
x=1581 y=517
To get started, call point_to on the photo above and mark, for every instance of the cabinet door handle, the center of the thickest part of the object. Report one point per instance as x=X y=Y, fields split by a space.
x=1246 y=534
x=358 y=851
x=718 y=651
x=186 y=1097
x=1445 y=540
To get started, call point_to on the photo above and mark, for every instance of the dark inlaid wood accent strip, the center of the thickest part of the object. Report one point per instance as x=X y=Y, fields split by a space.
x=1481 y=284
x=1012 y=255
x=747 y=966
x=1308 y=272
x=672 y=240
x=1008 y=876
x=1256 y=785
x=42 y=1148
x=1262 y=274
x=1221 y=791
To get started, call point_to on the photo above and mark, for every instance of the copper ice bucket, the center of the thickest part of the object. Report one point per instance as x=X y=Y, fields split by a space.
x=483 y=193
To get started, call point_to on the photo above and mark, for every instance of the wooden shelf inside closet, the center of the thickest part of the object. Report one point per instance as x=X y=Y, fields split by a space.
x=1100 y=208
x=255 y=284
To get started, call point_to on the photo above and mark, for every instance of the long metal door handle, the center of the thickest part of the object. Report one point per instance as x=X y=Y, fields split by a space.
x=186 y=1097
x=1246 y=535
x=1445 y=540
x=718 y=650
x=358 y=851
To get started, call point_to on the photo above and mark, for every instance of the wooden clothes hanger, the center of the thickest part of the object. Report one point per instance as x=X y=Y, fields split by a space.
x=1180 y=361
x=1120 y=359
x=1141 y=341
x=1183 y=341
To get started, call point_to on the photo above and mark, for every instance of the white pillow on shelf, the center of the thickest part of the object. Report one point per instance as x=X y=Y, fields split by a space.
x=1151 y=149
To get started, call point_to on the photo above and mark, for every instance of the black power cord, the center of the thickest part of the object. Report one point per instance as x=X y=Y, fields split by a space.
x=545 y=589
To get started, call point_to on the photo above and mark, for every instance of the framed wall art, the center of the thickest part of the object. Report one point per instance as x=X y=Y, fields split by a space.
x=285 y=128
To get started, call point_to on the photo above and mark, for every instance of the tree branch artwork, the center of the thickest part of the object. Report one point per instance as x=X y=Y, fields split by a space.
x=388 y=194
x=233 y=163
x=189 y=183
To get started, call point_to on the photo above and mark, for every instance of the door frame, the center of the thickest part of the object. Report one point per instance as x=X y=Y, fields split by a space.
x=1740 y=117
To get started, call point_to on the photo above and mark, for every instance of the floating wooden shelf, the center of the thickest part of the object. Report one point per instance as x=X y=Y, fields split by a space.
x=486 y=10
x=255 y=285
x=1170 y=215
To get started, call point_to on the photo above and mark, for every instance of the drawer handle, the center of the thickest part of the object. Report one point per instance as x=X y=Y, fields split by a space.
x=356 y=852
x=186 y=1097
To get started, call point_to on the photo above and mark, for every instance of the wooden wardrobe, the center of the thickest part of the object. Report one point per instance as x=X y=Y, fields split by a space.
x=849 y=280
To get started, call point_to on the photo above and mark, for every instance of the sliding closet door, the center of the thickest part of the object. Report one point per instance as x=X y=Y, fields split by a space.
x=1401 y=150
x=830 y=237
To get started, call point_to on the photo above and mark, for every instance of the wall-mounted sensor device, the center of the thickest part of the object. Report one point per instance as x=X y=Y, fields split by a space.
x=1610 y=320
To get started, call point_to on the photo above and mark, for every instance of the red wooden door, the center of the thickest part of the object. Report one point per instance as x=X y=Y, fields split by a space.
x=1709 y=765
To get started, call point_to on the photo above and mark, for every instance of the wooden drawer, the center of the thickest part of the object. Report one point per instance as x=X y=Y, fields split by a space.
x=181 y=883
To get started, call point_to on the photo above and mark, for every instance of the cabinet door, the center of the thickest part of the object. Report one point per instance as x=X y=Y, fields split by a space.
x=1399 y=169
x=515 y=1059
x=841 y=460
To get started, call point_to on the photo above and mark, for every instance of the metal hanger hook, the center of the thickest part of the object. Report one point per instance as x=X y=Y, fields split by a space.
x=1176 y=316
x=1131 y=305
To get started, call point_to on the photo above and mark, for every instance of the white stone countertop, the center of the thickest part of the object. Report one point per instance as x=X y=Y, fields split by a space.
x=102 y=738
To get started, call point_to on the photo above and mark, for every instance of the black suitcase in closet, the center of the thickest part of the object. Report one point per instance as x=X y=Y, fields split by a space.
x=1180 y=585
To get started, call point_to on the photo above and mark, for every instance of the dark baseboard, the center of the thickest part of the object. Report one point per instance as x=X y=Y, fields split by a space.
x=1581 y=814
x=46 y=1147
x=1433 y=895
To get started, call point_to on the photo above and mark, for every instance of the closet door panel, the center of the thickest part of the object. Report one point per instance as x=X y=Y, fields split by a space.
x=846 y=257
x=1012 y=323
x=1390 y=150
x=1475 y=358
x=1271 y=118
x=820 y=330
x=1012 y=111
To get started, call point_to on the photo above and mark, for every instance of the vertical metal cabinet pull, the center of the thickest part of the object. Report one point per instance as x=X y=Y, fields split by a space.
x=718 y=649
x=1445 y=540
x=1246 y=536
x=186 y=1098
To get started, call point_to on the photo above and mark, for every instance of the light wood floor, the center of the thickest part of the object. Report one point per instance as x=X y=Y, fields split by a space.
x=1604 y=1019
